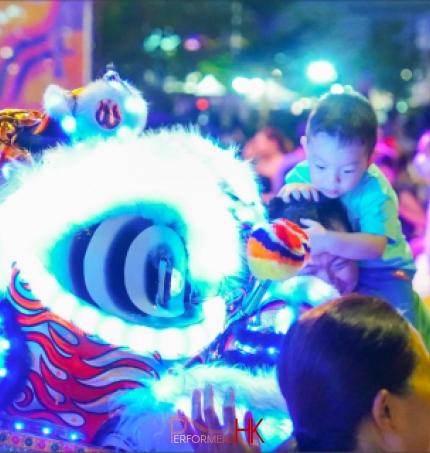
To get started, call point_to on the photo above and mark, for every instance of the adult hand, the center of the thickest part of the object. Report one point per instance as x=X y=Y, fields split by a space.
x=317 y=236
x=207 y=423
x=297 y=190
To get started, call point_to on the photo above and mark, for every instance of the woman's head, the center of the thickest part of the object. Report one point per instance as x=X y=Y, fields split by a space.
x=355 y=376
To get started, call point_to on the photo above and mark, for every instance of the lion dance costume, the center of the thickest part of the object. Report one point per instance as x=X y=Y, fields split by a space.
x=122 y=257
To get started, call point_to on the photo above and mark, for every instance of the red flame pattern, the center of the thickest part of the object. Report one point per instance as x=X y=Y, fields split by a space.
x=73 y=374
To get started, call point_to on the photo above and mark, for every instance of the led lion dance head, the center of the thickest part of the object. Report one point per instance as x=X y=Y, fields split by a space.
x=124 y=253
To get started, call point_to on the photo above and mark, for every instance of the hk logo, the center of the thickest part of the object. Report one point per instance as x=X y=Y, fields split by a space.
x=185 y=432
x=251 y=430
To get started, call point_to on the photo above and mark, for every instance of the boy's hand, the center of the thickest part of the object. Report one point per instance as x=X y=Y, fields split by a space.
x=317 y=236
x=296 y=190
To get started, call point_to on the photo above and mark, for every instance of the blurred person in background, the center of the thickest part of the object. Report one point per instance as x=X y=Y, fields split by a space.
x=422 y=157
x=273 y=156
x=234 y=136
x=422 y=167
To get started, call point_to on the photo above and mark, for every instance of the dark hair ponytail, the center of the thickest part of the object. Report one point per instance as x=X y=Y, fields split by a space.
x=332 y=363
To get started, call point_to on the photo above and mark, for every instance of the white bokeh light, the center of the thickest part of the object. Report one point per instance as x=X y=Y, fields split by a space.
x=321 y=72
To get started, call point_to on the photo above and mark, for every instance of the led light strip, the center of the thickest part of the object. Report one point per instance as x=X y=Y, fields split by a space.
x=172 y=343
x=4 y=350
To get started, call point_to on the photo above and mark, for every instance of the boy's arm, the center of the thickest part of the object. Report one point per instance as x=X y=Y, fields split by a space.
x=358 y=246
x=377 y=211
x=379 y=225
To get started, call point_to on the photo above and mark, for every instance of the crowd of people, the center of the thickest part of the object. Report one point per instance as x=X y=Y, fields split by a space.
x=351 y=372
x=354 y=372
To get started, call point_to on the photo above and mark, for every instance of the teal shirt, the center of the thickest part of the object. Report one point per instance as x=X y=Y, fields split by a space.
x=373 y=208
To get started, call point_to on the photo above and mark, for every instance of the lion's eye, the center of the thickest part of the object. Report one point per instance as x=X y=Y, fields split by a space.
x=108 y=114
x=128 y=267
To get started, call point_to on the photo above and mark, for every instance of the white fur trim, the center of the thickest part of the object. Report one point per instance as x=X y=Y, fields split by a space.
x=162 y=398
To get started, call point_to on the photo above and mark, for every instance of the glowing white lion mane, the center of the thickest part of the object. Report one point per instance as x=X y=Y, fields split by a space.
x=174 y=177
x=77 y=186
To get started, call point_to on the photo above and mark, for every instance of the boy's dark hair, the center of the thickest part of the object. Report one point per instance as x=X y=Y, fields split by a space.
x=329 y=212
x=333 y=362
x=347 y=116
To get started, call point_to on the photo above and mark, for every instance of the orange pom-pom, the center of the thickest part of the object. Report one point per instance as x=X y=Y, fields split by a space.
x=278 y=250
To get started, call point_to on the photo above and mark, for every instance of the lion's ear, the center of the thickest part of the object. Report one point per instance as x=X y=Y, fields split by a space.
x=57 y=102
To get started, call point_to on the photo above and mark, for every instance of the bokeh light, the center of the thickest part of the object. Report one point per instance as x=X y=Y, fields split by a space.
x=321 y=72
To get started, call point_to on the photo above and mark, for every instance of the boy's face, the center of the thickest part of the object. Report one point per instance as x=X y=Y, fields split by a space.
x=335 y=167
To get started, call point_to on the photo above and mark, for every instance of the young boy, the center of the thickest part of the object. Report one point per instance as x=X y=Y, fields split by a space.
x=340 y=137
